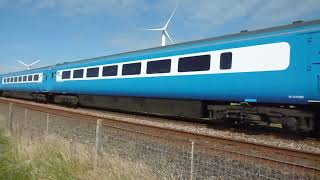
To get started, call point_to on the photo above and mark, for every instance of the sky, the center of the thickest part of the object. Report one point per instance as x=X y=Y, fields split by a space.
x=57 y=31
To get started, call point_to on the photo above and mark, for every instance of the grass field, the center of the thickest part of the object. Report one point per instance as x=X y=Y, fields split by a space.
x=54 y=158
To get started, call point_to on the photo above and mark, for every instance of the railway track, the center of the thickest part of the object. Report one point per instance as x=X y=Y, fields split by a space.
x=282 y=159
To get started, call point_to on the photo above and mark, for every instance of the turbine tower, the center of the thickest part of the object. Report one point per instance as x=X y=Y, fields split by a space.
x=164 y=32
x=28 y=65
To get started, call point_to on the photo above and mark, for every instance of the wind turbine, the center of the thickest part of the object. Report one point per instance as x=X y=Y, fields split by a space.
x=164 y=32
x=28 y=65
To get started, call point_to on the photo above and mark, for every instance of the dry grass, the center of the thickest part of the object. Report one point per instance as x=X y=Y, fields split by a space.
x=56 y=158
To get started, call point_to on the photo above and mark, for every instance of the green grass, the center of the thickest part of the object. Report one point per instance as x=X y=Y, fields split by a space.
x=9 y=164
x=54 y=158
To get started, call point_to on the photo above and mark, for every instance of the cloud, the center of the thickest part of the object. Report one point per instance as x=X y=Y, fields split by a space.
x=208 y=13
x=86 y=7
x=134 y=41
x=217 y=12
x=284 y=10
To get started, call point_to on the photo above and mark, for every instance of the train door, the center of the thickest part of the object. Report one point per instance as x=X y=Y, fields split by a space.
x=314 y=65
x=48 y=80
x=45 y=81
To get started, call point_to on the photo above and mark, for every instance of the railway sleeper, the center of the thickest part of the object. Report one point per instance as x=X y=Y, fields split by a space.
x=292 y=119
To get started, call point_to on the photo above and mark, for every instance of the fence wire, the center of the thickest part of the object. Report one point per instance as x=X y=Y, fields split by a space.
x=166 y=158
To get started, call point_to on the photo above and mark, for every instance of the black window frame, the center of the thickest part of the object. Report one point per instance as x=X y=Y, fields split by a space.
x=30 y=78
x=20 y=79
x=131 y=69
x=108 y=71
x=24 y=78
x=226 y=61
x=66 y=75
x=159 y=66
x=36 y=77
x=93 y=72
x=78 y=74
x=194 y=63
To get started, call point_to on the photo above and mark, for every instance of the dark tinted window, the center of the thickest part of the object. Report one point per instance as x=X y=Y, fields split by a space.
x=161 y=66
x=66 y=74
x=4 y=80
x=24 y=78
x=11 y=79
x=78 y=73
x=226 y=60
x=15 y=79
x=195 y=63
x=30 y=78
x=20 y=79
x=93 y=72
x=131 y=69
x=36 y=77
x=110 y=70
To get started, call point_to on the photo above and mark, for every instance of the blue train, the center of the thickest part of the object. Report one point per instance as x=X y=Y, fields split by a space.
x=264 y=76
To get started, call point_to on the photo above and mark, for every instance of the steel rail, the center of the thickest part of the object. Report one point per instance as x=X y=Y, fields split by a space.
x=271 y=156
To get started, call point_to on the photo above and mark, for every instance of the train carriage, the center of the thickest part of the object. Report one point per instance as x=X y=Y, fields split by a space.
x=269 y=75
x=30 y=84
x=268 y=67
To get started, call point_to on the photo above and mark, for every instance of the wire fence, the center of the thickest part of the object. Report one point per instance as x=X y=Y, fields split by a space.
x=166 y=158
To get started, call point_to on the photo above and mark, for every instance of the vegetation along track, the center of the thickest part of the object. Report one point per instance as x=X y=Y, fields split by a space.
x=266 y=155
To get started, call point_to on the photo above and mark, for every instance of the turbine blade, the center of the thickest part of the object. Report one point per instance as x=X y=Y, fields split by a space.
x=167 y=34
x=165 y=27
x=34 y=63
x=22 y=63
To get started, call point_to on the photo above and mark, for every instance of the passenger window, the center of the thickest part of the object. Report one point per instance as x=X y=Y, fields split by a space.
x=36 y=77
x=110 y=70
x=161 y=66
x=30 y=78
x=93 y=72
x=20 y=79
x=66 y=74
x=226 y=61
x=195 y=63
x=24 y=78
x=11 y=79
x=78 y=73
x=15 y=79
x=131 y=69
x=5 y=80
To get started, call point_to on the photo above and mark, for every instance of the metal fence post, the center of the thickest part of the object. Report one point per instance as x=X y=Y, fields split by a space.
x=47 y=124
x=98 y=143
x=191 y=157
x=25 y=115
x=10 y=116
